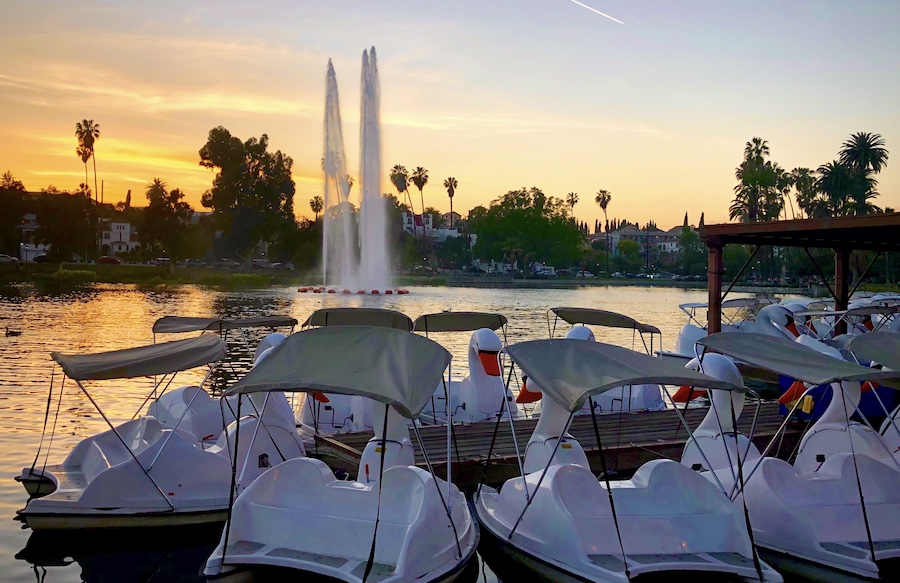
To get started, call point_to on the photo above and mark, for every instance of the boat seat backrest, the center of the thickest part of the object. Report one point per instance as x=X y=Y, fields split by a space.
x=835 y=482
x=300 y=500
x=106 y=450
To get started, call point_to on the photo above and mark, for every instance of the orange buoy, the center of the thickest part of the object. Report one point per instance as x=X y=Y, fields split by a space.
x=374 y=292
x=332 y=291
x=346 y=291
x=317 y=291
x=361 y=292
x=388 y=291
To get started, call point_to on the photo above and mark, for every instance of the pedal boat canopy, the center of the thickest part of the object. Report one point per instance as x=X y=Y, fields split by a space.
x=794 y=360
x=379 y=317
x=571 y=371
x=388 y=365
x=880 y=347
x=596 y=317
x=174 y=324
x=459 y=322
x=142 y=361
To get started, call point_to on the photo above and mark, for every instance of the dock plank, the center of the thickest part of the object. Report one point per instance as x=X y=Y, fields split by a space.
x=629 y=440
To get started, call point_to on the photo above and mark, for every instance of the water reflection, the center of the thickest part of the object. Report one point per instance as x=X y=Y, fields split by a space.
x=175 y=556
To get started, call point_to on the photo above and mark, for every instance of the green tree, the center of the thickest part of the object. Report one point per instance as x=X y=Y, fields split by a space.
x=87 y=132
x=757 y=196
x=835 y=182
x=166 y=219
x=527 y=219
x=400 y=180
x=68 y=224
x=316 y=204
x=419 y=177
x=451 y=185
x=691 y=252
x=628 y=258
x=252 y=196
x=13 y=201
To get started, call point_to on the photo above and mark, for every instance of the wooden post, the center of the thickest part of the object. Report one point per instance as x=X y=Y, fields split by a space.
x=714 y=276
x=841 y=285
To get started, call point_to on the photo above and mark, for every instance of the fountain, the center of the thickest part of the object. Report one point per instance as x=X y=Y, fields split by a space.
x=355 y=255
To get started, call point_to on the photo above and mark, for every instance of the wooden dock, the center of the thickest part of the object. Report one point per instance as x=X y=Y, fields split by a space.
x=629 y=440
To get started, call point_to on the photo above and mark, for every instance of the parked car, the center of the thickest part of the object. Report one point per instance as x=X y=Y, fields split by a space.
x=584 y=273
x=8 y=259
x=109 y=260
x=194 y=263
x=42 y=258
x=161 y=261
x=260 y=264
x=227 y=263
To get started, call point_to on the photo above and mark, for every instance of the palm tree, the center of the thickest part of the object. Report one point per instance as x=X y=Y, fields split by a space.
x=87 y=133
x=400 y=180
x=419 y=177
x=804 y=184
x=835 y=181
x=451 y=185
x=85 y=155
x=316 y=204
x=603 y=198
x=863 y=152
x=572 y=200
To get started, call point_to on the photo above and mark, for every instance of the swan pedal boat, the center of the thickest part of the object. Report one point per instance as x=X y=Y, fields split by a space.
x=159 y=469
x=559 y=522
x=394 y=523
x=834 y=514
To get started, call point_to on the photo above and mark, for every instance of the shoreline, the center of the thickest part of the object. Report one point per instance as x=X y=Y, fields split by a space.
x=79 y=274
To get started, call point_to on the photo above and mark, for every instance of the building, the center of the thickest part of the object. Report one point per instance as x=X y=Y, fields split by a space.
x=117 y=237
x=28 y=248
x=412 y=223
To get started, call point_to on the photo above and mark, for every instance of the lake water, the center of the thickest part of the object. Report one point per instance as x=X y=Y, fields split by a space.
x=114 y=317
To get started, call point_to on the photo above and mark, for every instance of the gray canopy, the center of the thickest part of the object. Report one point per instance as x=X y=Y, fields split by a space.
x=602 y=318
x=379 y=317
x=172 y=324
x=385 y=364
x=570 y=371
x=791 y=359
x=458 y=321
x=142 y=361
x=881 y=347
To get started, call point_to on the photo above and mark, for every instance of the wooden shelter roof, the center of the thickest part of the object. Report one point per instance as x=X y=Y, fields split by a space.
x=869 y=232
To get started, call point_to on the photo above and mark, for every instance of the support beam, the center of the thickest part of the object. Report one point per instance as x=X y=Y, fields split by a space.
x=841 y=285
x=714 y=276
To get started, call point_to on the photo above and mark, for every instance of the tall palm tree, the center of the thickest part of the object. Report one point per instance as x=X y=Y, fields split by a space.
x=400 y=180
x=835 y=181
x=85 y=155
x=572 y=200
x=87 y=133
x=316 y=204
x=419 y=177
x=451 y=185
x=804 y=184
x=863 y=152
x=603 y=198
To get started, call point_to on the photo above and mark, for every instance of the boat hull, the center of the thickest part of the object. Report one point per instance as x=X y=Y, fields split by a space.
x=71 y=521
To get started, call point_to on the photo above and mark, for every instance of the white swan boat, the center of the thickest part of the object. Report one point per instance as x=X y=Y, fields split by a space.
x=558 y=522
x=323 y=413
x=835 y=513
x=150 y=471
x=396 y=522
x=481 y=395
x=621 y=399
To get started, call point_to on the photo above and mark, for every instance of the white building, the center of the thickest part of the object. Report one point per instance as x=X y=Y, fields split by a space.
x=117 y=237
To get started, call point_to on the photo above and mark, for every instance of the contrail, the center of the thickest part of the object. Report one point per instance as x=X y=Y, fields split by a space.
x=597 y=11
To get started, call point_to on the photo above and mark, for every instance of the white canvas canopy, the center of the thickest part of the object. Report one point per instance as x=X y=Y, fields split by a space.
x=602 y=318
x=359 y=317
x=791 y=359
x=173 y=324
x=880 y=347
x=458 y=322
x=142 y=361
x=385 y=364
x=570 y=371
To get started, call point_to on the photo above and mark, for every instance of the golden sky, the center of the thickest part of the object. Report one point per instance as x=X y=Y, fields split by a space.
x=499 y=94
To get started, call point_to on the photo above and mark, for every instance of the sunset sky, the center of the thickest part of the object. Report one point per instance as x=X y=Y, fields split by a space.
x=499 y=94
